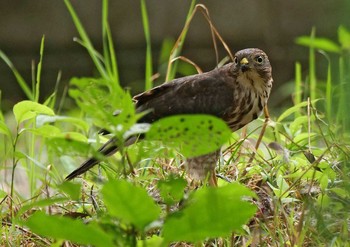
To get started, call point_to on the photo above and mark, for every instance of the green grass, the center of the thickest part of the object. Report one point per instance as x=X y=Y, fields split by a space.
x=296 y=190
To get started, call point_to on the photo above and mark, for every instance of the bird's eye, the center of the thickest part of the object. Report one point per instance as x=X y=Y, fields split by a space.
x=235 y=60
x=259 y=59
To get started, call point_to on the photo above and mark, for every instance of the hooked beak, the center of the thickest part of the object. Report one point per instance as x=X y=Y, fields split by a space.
x=244 y=64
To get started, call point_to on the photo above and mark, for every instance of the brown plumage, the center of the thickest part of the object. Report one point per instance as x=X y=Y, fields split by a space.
x=236 y=93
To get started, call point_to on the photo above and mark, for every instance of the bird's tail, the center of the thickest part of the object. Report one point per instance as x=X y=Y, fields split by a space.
x=108 y=149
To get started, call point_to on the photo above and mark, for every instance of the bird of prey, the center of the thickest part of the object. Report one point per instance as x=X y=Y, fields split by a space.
x=236 y=92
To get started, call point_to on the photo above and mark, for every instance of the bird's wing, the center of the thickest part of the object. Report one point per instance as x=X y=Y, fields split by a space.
x=207 y=93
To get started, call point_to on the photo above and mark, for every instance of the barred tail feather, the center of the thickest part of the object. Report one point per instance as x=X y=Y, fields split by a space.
x=108 y=149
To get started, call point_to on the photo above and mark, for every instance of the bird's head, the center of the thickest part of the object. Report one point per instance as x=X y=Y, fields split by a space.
x=252 y=66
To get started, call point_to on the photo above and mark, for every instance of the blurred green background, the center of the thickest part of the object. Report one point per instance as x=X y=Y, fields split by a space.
x=270 y=25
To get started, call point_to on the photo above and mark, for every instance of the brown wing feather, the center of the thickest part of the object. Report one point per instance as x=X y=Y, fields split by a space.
x=207 y=93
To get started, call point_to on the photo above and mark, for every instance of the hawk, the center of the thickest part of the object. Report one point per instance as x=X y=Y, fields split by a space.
x=236 y=92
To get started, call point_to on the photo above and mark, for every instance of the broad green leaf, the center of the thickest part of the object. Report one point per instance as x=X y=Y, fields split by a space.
x=324 y=181
x=130 y=203
x=298 y=122
x=56 y=136
x=303 y=138
x=68 y=145
x=310 y=174
x=154 y=241
x=44 y=119
x=46 y=131
x=59 y=227
x=40 y=203
x=344 y=37
x=324 y=200
x=318 y=43
x=172 y=190
x=194 y=135
x=73 y=190
x=281 y=189
x=210 y=213
x=29 y=109
x=76 y=136
x=341 y=192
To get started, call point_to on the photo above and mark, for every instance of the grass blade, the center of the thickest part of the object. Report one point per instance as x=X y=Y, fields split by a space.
x=298 y=86
x=104 y=36
x=148 y=69
x=341 y=114
x=113 y=59
x=312 y=68
x=21 y=82
x=86 y=41
x=329 y=91
x=179 y=44
x=108 y=48
x=38 y=72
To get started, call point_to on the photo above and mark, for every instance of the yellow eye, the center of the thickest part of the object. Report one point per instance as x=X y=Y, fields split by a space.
x=259 y=59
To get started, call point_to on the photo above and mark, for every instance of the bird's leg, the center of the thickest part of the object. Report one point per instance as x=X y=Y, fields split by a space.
x=203 y=167
x=131 y=167
x=212 y=179
x=267 y=118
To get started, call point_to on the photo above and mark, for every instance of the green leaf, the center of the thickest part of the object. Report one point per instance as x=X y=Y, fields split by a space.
x=172 y=190
x=46 y=131
x=318 y=43
x=282 y=186
x=59 y=227
x=299 y=122
x=29 y=109
x=130 y=203
x=303 y=138
x=294 y=109
x=99 y=99
x=41 y=203
x=154 y=241
x=61 y=140
x=78 y=122
x=344 y=37
x=68 y=145
x=341 y=192
x=4 y=129
x=211 y=213
x=195 y=135
x=73 y=190
x=324 y=181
